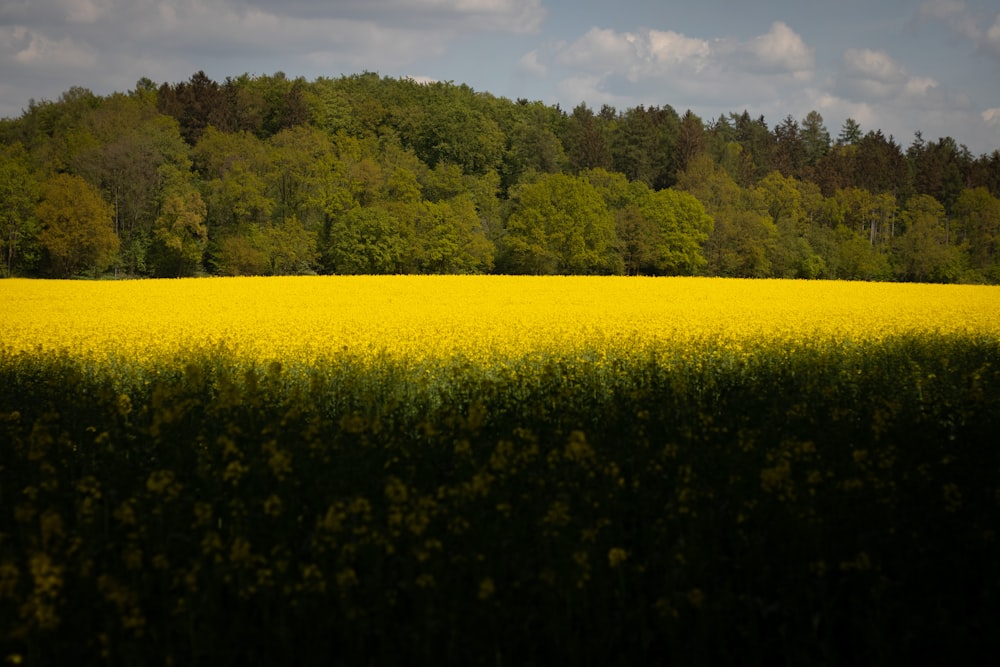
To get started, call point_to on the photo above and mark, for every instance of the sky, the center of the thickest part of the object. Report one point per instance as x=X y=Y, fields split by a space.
x=898 y=66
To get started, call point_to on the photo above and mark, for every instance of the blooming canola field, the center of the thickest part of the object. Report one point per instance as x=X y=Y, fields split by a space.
x=498 y=470
x=302 y=319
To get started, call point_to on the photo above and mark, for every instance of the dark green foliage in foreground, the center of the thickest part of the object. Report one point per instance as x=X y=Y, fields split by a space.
x=808 y=506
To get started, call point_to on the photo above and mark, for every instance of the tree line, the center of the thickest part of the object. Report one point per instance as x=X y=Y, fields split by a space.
x=267 y=175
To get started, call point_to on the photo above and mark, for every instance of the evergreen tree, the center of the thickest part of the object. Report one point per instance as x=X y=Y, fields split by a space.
x=850 y=133
x=815 y=137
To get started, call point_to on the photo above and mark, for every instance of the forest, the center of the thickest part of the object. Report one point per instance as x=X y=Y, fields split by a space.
x=366 y=174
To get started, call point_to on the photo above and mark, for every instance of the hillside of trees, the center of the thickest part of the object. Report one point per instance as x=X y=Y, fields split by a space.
x=270 y=175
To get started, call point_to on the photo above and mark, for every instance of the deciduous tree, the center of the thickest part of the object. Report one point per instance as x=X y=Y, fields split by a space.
x=298 y=159
x=741 y=241
x=134 y=155
x=977 y=229
x=368 y=240
x=180 y=234
x=287 y=247
x=234 y=169
x=784 y=202
x=77 y=229
x=18 y=197
x=560 y=224
x=924 y=251
x=450 y=238
x=681 y=229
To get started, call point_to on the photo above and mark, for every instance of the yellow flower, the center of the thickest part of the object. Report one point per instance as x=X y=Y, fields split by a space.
x=279 y=460
x=202 y=514
x=347 y=578
x=48 y=580
x=577 y=449
x=952 y=497
x=163 y=482
x=132 y=557
x=272 y=506
x=9 y=575
x=51 y=528
x=239 y=551
x=862 y=563
x=775 y=478
x=312 y=579
x=482 y=317
x=211 y=543
x=90 y=490
x=395 y=491
x=486 y=588
x=557 y=514
x=125 y=513
x=696 y=597
x=234 y=471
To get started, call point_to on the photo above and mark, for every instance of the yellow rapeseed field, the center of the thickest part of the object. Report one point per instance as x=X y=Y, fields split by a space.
x=478 y=317
x=644 y=470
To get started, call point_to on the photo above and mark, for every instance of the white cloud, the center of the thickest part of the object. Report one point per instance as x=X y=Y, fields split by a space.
x=511 y=16
x=875 y=77
x=992 y=41
x=115 y=36
x=47 y=47
x=657 y=58
x=832 y=106
x=86 y=11
x=768 y=74
x=780 y=50
x=980 y=28
x=772 y=74
x=943 y=9
x=901 y=117
x=671 y=48
x=173 y=38
x=530 y=64
x=919 y=85
x=518 y=16
x=901 y=120
x=586 y=88
x=40 y=51
x=600 y=49
x=871 y=65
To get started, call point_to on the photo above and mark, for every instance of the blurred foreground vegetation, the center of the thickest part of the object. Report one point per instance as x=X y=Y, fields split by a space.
x=806 y=504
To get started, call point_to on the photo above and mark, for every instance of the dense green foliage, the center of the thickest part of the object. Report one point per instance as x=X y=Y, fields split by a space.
x=807 y=505
x=365 y=174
